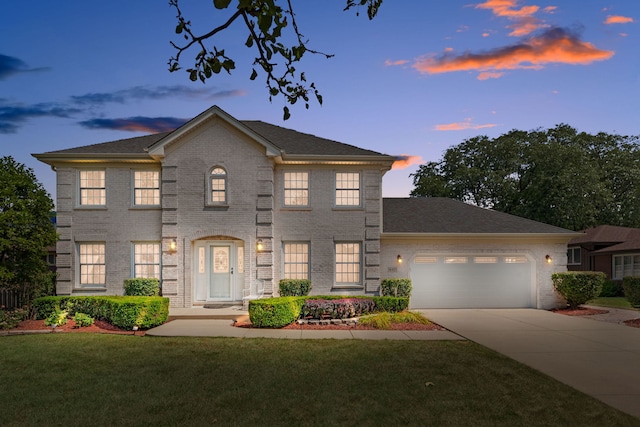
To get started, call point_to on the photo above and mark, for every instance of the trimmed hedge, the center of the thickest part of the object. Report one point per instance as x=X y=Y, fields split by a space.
x=631 y=286
x=142 y=287
x=122 y=311
x=294 y=287
x=391 y=304
x=275 y=312
x=578 y=287
x=396 y=287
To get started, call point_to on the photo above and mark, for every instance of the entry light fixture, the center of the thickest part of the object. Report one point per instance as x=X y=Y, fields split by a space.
x=549 y=259
x=399 y=259
x=173 y=245
x=259 y=245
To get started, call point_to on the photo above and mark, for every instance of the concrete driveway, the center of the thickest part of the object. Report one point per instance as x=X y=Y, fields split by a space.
x=601 y=359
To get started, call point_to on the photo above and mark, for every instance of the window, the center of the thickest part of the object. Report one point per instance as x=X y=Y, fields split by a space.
x=348 y=264
x=347 y=189
x=146 y=188
x=218 y=186
x=296 y=260
x=296 y=189
x=92 y=264
x=92 y=188
x=146 y=260
x=573 y=256
x=626 y=265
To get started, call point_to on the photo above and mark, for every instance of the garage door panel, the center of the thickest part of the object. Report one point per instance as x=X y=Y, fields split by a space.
x=480 y=282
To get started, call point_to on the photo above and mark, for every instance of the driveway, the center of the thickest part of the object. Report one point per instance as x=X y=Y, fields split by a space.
x=601 y=359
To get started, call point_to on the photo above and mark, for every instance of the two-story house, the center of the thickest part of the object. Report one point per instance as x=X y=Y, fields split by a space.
x=220 y=210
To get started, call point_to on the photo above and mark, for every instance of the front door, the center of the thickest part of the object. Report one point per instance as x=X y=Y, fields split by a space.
x=221 y=273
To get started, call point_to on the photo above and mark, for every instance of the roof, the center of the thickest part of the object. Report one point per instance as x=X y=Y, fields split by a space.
x=441 y=215
x=137 y=145
x=628 y=246
x=606 y=234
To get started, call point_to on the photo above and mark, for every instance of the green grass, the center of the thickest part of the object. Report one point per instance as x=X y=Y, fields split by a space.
x=613 y=302
x=385 y=319
x=93 y=379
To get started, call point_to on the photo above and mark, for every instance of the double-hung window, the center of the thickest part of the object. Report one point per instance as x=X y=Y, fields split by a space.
x=146 y=188
x=626 y=265
x=218 y=186
x=347 y=189
x=92 y=264
x=296 y=260
x=348 y=264
x=93 y=191
x=573 y=256
x=296 y=188
x=146 y=260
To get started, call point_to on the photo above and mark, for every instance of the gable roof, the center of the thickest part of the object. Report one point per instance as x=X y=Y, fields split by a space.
x=603 y=234
x=278 y=141
x=440 y=215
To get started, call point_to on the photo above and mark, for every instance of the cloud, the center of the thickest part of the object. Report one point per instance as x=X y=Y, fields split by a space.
x=154 y=93
x=10 y=65
x=486 y=75
x=524 y=23
x=405 y=160
x=617 y=19
x=467 y=124
x=136 y=124
x=13 y=115
x=390 y=63
x=555 y=45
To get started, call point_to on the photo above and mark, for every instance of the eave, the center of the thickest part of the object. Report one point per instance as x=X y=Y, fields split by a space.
x=53 y=158
x=559 y=237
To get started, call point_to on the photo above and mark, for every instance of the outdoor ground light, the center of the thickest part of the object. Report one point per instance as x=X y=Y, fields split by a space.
x=399 y=259
x=135 y=328
x=549 y=259
x=259 y=245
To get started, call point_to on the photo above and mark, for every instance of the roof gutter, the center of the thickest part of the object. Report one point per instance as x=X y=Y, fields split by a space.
x=478 y=236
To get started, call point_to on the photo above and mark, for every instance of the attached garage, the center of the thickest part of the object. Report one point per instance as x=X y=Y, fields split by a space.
x=462 y=256
x=472 y=281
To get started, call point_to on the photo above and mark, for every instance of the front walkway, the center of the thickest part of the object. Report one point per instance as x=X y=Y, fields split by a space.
x=599 y=358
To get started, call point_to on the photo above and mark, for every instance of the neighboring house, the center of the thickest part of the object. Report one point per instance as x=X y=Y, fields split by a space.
x=611 y=249
x=220 y=210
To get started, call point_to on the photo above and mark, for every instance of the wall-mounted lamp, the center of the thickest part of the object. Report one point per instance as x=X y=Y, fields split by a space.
x=399 y=259
x=549 y=259
x=173 y=245
x=259 y=245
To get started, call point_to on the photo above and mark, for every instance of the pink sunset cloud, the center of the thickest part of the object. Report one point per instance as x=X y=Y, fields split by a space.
x=466 y=124
x=618 y=19
x=406 y=160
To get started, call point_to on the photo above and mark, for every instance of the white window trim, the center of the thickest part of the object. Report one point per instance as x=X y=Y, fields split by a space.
x=133 y=257
x=359 y=283
x=284 y=190
x=614 y=276
x=209 y=178
x=573 y=249
x=80 y=264
x=79 y=189
x=134 y=188
x=335 y=191
x=284 y=263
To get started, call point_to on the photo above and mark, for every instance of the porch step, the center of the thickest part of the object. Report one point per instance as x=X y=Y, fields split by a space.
x=231 y=312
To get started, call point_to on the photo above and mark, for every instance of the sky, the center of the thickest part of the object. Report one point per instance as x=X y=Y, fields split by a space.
x=421 y=77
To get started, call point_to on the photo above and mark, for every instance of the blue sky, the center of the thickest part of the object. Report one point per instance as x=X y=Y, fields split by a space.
x=419 y=78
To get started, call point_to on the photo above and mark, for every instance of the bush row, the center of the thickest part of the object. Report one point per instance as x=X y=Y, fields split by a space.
x=122 y=311
x=282 y=311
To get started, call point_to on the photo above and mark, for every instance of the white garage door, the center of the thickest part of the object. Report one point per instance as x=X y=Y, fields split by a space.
x=471 y=281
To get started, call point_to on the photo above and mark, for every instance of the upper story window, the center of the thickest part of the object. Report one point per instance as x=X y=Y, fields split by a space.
x=573 y=256
x=92 y=264
x=92 y=188
x=296 y=188
x=218 y=186
x=347 y=189
x=146 y=188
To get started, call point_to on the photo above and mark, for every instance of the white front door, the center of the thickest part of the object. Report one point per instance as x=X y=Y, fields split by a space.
x=218 y=270
x=221 y=272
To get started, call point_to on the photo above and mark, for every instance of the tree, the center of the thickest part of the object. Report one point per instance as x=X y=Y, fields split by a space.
x=558 y=176
x=266 y=22
x=26 y=230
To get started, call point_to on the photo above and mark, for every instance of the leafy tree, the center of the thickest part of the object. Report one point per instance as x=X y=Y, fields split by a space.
x=26 y=230
x=266 y=22
x=558 y=176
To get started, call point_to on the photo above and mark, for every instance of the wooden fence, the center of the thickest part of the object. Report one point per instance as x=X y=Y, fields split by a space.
x=10 y=299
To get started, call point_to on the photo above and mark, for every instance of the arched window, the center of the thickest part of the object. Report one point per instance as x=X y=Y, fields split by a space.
x=218 y=186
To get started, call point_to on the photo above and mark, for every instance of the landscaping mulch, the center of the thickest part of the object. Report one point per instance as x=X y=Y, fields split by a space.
x=634 y=323
x=580 y=311
x=99 y=326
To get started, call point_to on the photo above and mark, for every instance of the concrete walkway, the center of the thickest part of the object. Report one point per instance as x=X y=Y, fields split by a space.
x=599 y=358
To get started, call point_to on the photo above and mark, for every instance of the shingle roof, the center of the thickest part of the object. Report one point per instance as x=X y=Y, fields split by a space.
x=290 y=141
x=629 y=246
x=443 y=215
x=607 y=234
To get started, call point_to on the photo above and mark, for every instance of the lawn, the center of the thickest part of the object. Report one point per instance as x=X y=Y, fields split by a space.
x=613 y=302
x=94 y=379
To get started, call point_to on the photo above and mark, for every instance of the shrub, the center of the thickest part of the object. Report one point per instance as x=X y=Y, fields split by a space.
x=391 y=304
x=631 y=287
x=578 y=287
x=611 y=288
x=9 y=319
x=121 y=311
x=294 y=287
x=396 y=287
x=142 y=287
x=275 y=312
x=82 y=320
x=57 y=318
x=343 y=308
x=384 y=320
